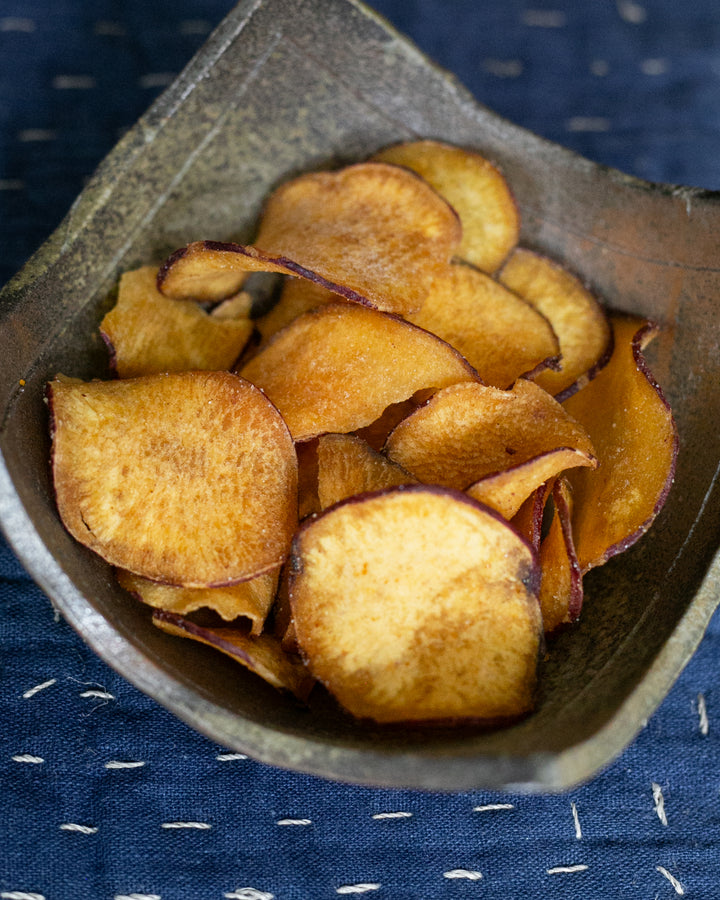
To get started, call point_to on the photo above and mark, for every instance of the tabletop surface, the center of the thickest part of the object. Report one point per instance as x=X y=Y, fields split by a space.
x=107 y=795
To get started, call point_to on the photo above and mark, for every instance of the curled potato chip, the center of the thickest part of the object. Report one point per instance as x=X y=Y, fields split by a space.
x=576 y=316
x=261 y=654
x=475 y=188
x=298 y=296
x=348 y=465
x=632 y=428
x=248 y=600
x=417 y=604
x=528 y=520
x=561 y=587
x=336 y=368
x=149 y=333
x=186 y=478
x=469 y=432
x=500 y=335
x=376 y=229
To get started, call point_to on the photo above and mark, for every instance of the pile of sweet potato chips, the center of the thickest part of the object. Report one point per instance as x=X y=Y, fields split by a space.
x=393 y=481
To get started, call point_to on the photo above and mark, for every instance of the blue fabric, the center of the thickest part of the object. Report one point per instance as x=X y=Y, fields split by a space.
x=92 y=772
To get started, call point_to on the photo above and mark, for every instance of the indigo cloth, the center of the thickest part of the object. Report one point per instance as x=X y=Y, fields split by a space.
x=106 y=796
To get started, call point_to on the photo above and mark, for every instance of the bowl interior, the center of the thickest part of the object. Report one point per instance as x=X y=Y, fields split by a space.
x=284 y=87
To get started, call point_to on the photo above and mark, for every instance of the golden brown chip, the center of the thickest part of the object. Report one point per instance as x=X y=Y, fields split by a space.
x=417 y=604
x=377 y=230
x=149 y=333
x=187 y=478
x=575 y=315
x=308 y=502
x=348 y=465
x=262 y=654
x=528 y=520
x=298 y=296
x=468 y=432
x=500 y=335
x=633 y=431
x=561 y=588
x=248 y=600
x=475 y=188
x=336 y=368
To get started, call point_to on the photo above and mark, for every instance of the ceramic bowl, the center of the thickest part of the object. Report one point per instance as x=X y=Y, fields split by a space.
x=283 y=87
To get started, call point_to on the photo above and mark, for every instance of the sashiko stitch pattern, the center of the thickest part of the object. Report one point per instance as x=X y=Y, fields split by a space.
x=105 y=795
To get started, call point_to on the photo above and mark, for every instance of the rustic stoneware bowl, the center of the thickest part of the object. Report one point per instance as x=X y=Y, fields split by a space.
x=282 y=87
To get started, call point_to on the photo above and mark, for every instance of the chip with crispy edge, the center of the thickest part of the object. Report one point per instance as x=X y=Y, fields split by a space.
x=528 y=520
x=147 y=332
x=348 y=465
x=378 y=230
x=250 y=600
x=336 y=368
x=417 y=604
x=186 y=478
x=515 y=439
x=261 y=654
x=475 y=188
x=633 y=431
x=561 y=587
x=500 y=335
x=576 y=316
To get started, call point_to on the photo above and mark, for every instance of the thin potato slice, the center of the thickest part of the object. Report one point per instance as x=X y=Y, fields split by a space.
x=308 y=502
x=261 y=654
x=417 y=604
x=248 y=600
x=148 y=333
x=376 y=433
x=336 y=368
x=468 y=432
x=298 y=296
x=506 y=491
x=528 y=520
x=348 y=465
x=576 y=316
x=500 y=335
x=475 y=188
x=188 y=478
x=561 y=587
x=378 y=230
x=632 y=428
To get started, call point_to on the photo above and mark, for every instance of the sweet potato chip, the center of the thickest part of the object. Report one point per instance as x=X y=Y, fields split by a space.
x=633 y=431
x=336 y=368
x=248 y=600
x=475 y=188
x=577 y=318
x=561 y=588
x=149 y=333
x=262 y=654
x=348 y=465
x=528 y=520
x=188 y=478
x=468 y=432
x=500 y=335
x=375 y=229
x=298 y=296
x=417 y=604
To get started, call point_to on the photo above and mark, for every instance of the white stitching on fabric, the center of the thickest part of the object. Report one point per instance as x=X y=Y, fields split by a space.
x=576 y=821
x=659 y=802
x=137 y=897
x=566 y=870
x=249 y=893
x=82 y=829
x=201 y=826
x=38 y=687
x=119 y=764
x=679 y=889
x=99 y=695
x=470 y=874
x=20 y=895
x=393 y=815
x=491 y=807
x=294 y=822
x=362 y=888
x=229 y=757
x=28 y=758
x=702 y=713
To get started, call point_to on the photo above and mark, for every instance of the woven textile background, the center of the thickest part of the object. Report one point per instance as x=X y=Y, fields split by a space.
x=106 y=796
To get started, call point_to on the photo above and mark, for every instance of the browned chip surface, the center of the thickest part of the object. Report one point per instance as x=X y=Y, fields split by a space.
x=576 y=316
x=249 y=600
x=376 y=229
x=500 y=335
x=633 y=431
x=149 y=333
x=298 y=296
x=417 y=604
x=337 y=368
x=467 y=432
x=475 y=188
x=561 y=588
x=348 y=465
x=188 y=478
